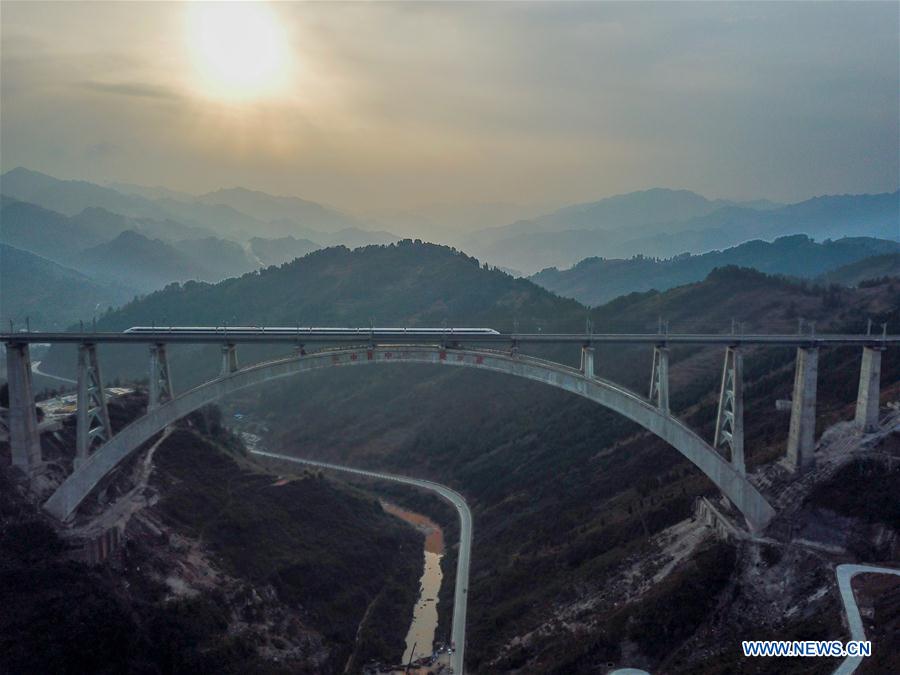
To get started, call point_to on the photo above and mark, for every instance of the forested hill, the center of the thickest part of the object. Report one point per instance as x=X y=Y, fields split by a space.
x=403 y=284
x=48 y=295
x=598 y=280
x=861 y=271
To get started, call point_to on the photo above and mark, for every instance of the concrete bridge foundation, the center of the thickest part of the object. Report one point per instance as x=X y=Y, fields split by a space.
x=229 y=360
x=867 y=401
x=659 y=379
x=160 y=390
x=802 y=433
x=587 y=361
x=24 y=436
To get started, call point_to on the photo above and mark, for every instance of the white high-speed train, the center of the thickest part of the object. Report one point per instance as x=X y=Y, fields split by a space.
x=305 y=330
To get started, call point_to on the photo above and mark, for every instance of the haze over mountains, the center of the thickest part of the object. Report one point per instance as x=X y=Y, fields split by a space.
x=215 y=213
x=140 y=239
x=594 y=281
x=49 y=295
x=137 y=239
x=662 y=222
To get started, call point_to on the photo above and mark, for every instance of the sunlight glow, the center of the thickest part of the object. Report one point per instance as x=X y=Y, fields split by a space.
x=239 y=49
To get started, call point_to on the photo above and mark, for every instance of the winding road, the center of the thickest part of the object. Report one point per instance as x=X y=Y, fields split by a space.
x=458 y=628
x=845 y=574
x=36 y=369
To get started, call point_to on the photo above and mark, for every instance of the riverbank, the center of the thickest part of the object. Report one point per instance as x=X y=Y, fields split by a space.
x=421 y=635
x=458 y=632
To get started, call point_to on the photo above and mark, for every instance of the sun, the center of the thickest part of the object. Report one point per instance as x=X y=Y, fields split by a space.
x=239 y=49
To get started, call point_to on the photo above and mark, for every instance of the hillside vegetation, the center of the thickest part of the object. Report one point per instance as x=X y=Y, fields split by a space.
x=48 y=295
x=862 y=271
x=248 y=576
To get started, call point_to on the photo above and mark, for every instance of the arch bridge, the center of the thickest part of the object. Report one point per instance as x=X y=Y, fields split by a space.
x=99 y=451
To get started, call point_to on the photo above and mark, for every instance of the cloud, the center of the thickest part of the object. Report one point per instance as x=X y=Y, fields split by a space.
x=135 y=89
x=396 y=104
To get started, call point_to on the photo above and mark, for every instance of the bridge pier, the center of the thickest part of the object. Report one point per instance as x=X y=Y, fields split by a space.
x=24 y=436
x=867 y=400
x=802 y=434
x=160 y=377
x=659 y=379
x=229 y=360
x=587 y=361
x=92 y=414
x=730 y=418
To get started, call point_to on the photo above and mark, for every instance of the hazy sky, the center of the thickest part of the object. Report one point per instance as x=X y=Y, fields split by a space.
x=374 y=105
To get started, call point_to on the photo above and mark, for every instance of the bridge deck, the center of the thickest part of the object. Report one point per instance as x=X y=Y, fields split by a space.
x=430 y=336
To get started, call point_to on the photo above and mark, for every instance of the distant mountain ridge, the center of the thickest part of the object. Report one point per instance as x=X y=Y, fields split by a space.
x=595 y=281
x=867 y=269
x=234 y=213
x=112 y=248
x=631 y=225
x=278 y=209
x=280 y=251
x=48 y=295
x=52 y=234
x=644 y=207
x=145 y=238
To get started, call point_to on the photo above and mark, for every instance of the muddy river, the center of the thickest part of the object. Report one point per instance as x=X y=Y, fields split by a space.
x=420 y=637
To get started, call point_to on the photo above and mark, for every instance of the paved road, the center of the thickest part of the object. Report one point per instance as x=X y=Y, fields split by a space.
x=458 y=629
x=845 y=574
x=36 y=369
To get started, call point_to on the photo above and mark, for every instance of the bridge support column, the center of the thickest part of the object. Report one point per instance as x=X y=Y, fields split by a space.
x=160 y=377
x=730 y=418
x=802 y=434
x=229 y=360
x=587 y=361
x=93 y=426
x=659 y=379
x=867 y=400
x=24 y=436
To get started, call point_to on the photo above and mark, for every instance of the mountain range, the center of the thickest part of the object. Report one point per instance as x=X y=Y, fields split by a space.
x=865 y=270
x=594 y=281
x=235 y=213
x=143 y=238
x=663 y=222
x=140 y=239
x=130 y=253
x=43 y=294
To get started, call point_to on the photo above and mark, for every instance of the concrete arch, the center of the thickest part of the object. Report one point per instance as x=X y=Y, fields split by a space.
x=736 y=487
